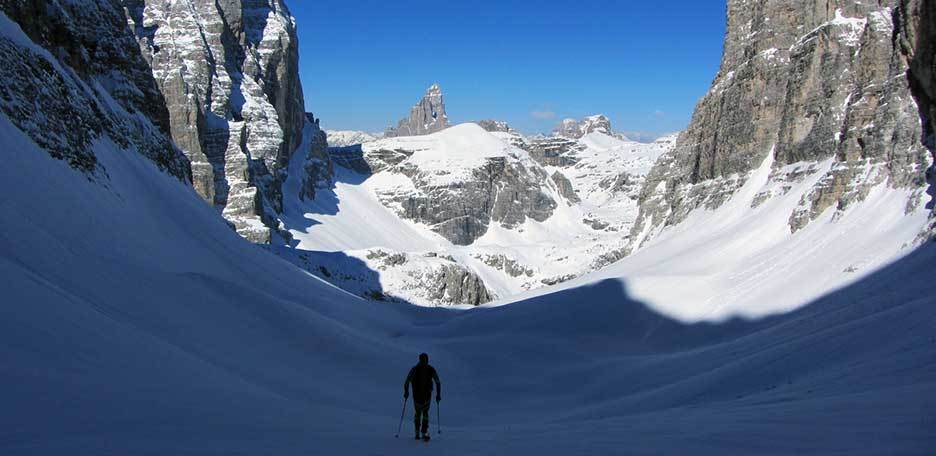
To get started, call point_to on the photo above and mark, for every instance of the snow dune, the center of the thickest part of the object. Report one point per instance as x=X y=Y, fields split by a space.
x=134 y=321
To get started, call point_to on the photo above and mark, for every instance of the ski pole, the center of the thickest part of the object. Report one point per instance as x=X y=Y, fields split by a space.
x=439 y=415
x=402 y=412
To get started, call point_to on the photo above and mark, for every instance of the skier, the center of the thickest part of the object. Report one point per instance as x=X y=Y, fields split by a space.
x=421 y=376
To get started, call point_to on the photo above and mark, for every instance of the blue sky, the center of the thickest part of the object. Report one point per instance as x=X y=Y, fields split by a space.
x=642 y=63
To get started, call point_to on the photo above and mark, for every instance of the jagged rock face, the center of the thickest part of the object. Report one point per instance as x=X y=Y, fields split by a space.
x=574 y=129
x=565 y=187
x=351 y=157
x=458 y=181
x=917 y=35
x=604 y=172
x=916 y=27
x=504 y=263
x=317 y=167
x=806 y=81
x=453 y=284
x=503 y=190
x=427 y=116
x=228 y=70
x=62 y=99
x=554 y=151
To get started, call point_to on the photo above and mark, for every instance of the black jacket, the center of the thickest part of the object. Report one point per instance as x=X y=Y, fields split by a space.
x=421 y=376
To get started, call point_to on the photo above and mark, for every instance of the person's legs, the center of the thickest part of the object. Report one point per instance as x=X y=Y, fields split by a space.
x=420 y=416
x=425 y=418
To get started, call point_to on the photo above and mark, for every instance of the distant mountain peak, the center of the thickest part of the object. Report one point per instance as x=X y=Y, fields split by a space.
x=576 y=129
x=427 y=116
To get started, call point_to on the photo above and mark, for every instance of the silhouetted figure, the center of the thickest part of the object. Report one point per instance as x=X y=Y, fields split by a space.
x=421 y=377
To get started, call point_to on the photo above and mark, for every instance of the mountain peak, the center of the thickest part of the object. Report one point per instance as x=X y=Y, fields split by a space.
x=575 y=129
x=427 y=116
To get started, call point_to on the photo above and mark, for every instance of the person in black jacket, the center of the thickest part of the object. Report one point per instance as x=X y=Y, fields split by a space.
x=421 y=376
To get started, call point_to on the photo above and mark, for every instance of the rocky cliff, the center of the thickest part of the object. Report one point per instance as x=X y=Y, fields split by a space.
x=84 y=82
x=228 y=71
x=821 y=84
x=916 y=36
x=219 y=79
x=459 y=181
x=427 y=116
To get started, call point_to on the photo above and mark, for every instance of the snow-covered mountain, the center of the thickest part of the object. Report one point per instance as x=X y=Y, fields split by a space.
x=478 y=214
x=575 y=129
x=818 y=89
x=135 y=321
x=344 y=138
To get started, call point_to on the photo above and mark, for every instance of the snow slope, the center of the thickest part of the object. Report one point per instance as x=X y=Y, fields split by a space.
x=136 y=322
x=127 y=331
x=742 y=259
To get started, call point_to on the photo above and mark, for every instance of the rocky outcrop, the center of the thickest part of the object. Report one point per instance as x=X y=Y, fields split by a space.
x=494 y=126
x=508 y=265
x=228 y=70
x=802 y=81
x=86 y=82
x=604 y=171
x=429 y=279
x=503 y=190
x=317 y=168
x=565 y=187
x=426 y=279
x=453 y=284
x=554 y=151
x=427 y=116
x=916 y=27
x=575 y=129
x=460 y=181
x=916 y=35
